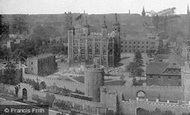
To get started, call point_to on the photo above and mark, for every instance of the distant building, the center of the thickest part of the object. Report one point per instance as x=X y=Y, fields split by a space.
x=84 y=46
x=163 y=74
x=42 y=65
x=132 y=44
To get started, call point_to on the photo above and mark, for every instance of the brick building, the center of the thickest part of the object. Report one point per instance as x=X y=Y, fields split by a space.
x=42 y=65
x=163 y=74
x=132 y=44
x=84 y=46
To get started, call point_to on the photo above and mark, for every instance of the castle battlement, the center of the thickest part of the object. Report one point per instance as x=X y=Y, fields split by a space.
x=158 y=87
x=181 y=104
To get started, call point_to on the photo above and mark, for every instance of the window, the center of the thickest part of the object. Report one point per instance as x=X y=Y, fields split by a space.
x=159 y=77
x=169 y=77
x=174 y=64
x=141 y=94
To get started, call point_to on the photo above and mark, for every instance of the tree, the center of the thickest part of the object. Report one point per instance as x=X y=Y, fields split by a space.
x=138 y=58
x=19 y=54
x=19 y=24
x=36 y=85
x=4 y=29
x=33 y=83
x=42 y=85
x=131 y=68
x=50 y=99
x=139 y=71
x=9 y=74
x=4 y=53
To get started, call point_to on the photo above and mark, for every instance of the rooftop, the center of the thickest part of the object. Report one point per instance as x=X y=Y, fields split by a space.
x=156 y=67
x=42 y=56
x=115 y=82
x=160 y=67
x=138 y=38
x=79 y=79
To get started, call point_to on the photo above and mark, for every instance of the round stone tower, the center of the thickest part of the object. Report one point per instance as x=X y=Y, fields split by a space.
x=94 y=79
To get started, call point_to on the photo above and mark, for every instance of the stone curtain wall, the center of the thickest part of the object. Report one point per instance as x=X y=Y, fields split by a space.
x=129 y=107
x=84 y=104
x=60 y=83
x=152 y=92
x=77 y=104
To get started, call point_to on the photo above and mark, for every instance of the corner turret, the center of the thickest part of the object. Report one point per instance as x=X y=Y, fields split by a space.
x=86 y=29
x=104 y=27
x=143 y=12
x=117 y=40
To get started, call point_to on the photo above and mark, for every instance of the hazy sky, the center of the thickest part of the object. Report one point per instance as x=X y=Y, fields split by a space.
x=89 y=6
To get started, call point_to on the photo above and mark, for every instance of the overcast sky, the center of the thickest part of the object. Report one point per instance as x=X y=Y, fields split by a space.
x=89 y=6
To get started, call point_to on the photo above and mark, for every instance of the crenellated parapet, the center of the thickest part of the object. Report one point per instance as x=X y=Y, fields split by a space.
x=130 y=106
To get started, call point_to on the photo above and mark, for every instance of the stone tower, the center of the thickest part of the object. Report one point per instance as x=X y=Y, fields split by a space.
x=116 y=29
x=94 y=79
x=188 y=9
x=185 y=71
x=143 y=12
x=71 y=34
x=86 y=28
x=68 y=21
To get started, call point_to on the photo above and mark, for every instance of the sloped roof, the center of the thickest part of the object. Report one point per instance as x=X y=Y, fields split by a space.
x=162 y=56
x=115 y=82
x=79 y=79
x=156 y=67
x=174 y=58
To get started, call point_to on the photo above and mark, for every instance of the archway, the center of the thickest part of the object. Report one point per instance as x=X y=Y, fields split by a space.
x=141 y=111
x=24 y=93
x=141 y=94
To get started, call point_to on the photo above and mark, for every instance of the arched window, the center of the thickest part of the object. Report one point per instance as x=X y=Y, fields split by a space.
x=24 y=93
x=141 y=94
